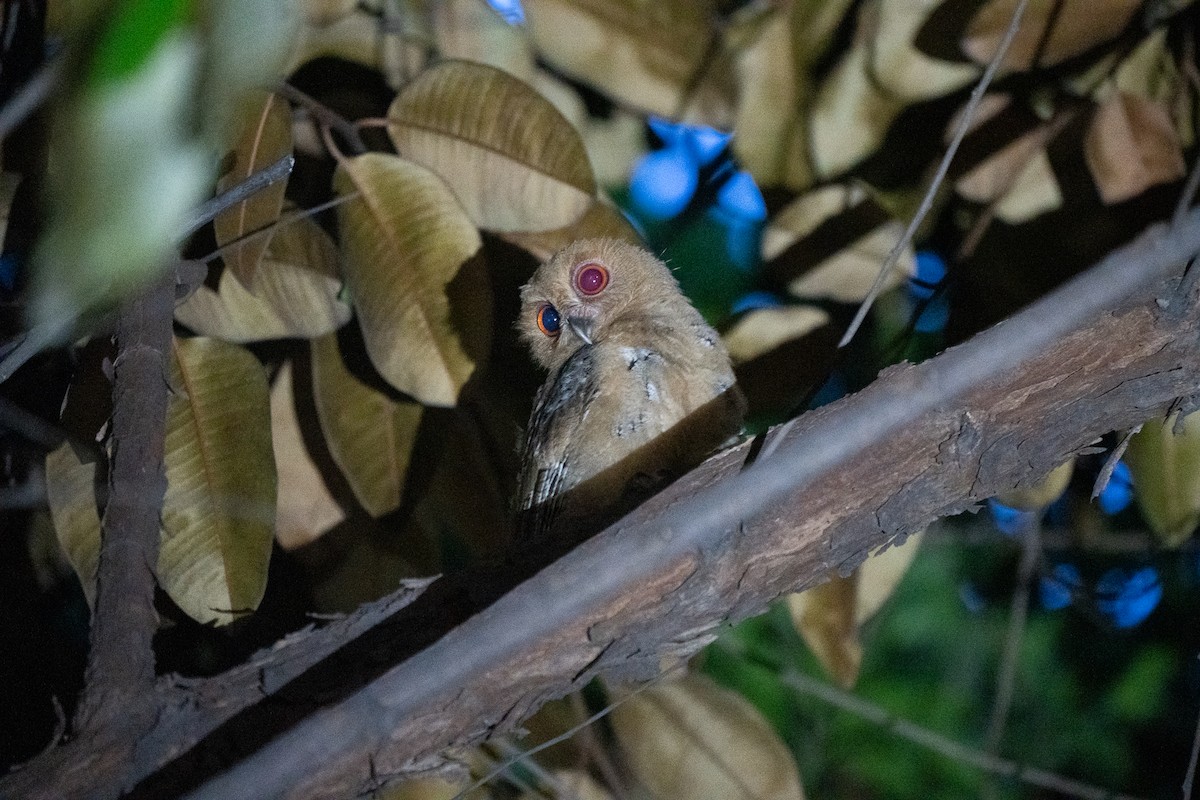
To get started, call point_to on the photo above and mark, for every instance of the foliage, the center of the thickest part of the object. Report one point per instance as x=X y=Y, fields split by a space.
x=347 y=391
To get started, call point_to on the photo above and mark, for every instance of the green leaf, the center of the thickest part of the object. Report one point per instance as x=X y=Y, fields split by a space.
x=130 y=35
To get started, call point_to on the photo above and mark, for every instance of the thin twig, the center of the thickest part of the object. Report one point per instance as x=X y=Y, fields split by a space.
x=286 y=219
x=30 y=96
x=1018 y=614
x=327 y=116
x=597 y=753
x=943 y=745
x=253 y=184
x=964 y=123
x=1110 y=463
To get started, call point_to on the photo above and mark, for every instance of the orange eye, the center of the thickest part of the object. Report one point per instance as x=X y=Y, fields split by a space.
x=548 y=321
x=591 y=279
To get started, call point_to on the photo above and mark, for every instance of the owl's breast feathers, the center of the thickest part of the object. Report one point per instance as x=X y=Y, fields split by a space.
x=645 y=402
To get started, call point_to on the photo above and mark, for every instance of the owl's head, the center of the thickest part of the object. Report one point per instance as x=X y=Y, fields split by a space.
x=574 y=298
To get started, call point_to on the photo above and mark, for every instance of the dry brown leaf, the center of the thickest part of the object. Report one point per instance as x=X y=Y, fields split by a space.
x=296 y=292
x=325 y=12
x=571 y=784
x=764 y=329
x=266 y=136
x=1131 y=145
x=850 y=116
x=691 y=738
x=370 y=435
x=219 y=510
x=304 y=508
x=829 y=617
x=468 y=30
x=645 y=55
x=354 y=37
x=1042 y=493
x=899 y=67
x=839 y=211
x=512 y=160
x=405 y=239
x=1079 y=25
x=71 y=495
x=601 y=220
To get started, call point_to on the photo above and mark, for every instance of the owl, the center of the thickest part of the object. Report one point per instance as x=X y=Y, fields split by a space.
x=639 y=390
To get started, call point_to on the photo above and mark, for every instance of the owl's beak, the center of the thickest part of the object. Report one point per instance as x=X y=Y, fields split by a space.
x=581 y=327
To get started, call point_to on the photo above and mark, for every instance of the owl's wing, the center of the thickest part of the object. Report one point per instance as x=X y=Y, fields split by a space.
x=558 y=410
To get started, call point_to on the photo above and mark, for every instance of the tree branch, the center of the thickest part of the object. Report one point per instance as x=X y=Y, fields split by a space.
x=719 y=544
x=121 y=657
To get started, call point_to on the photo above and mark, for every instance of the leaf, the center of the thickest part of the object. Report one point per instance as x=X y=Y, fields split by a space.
x=265 y=138
x=354 y=37
x=571 y=784
x=691 y=738
x=1131 y=145
x=1166 y=476
x=469 y=30
x=219 y=510
x=602 y=220
x=1043 y=492
x=1079 y=25
x=829 y=617
x=325 y=12
x=71 y=494
x=850 y=116
x=1033 y=191
x=644 y=55
x=509 y=156
x=369 y=435
x=831 y=242
x=765 y=329
x=295 y=293
x=404 y=239
x=900 y=68
x=304 y=508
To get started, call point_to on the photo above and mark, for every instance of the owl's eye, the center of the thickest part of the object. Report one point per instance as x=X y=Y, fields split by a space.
x=591 y=279
x=548 y=320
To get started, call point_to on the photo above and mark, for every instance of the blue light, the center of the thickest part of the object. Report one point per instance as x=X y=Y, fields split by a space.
x=8 y=271
x=663 y=182
x=931 y=270
x=1008 y=520
x=1128 y=596
x=752 y=301
x=671 y=133
x=934 y=316
x=510 y=10
x=1118 y=494
x=1057 y=589
x=739 y=197
x=707 y=143
x=833 y=389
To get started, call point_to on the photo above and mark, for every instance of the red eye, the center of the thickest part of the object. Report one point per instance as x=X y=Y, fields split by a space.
x=548 y=321
x=591 y=279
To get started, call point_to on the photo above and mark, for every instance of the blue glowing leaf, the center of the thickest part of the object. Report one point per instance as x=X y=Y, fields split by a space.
x=1127 y=596
x=1118 y=494
x=739 y=197
x=1009 y=520
x=664 y=182
x=510 y=10
x=1057 y=589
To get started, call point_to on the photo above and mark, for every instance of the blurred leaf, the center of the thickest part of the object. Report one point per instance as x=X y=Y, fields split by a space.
x=124 y=176
x=469 y=30
x=691 y=738
x=1166 y=476
x=829 y=617
x=575 y=784
x=1079 y=25
x=132 y=32
x=1131 y=145
x=601 y=220
x=295 y=292
x=265 y=138
x=850 y=116
x=325 y=12
x=1019 y=174
x=765 y=329
x=71 y=494
x=511 y=159
x=614 y=145
x=900 y=68
x=219 y=510
x=645 y=55
x=405 y=239
x=831 y=242
x=355 y=37
x=369 y=435
x=9 y=181
x=304 y=508
x=1042 y=493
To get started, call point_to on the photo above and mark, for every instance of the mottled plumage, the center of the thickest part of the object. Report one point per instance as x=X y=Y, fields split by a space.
x=639 y=388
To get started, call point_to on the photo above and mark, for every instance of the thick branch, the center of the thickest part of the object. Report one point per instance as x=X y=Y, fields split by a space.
x=719 y=544
x=121 y=658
